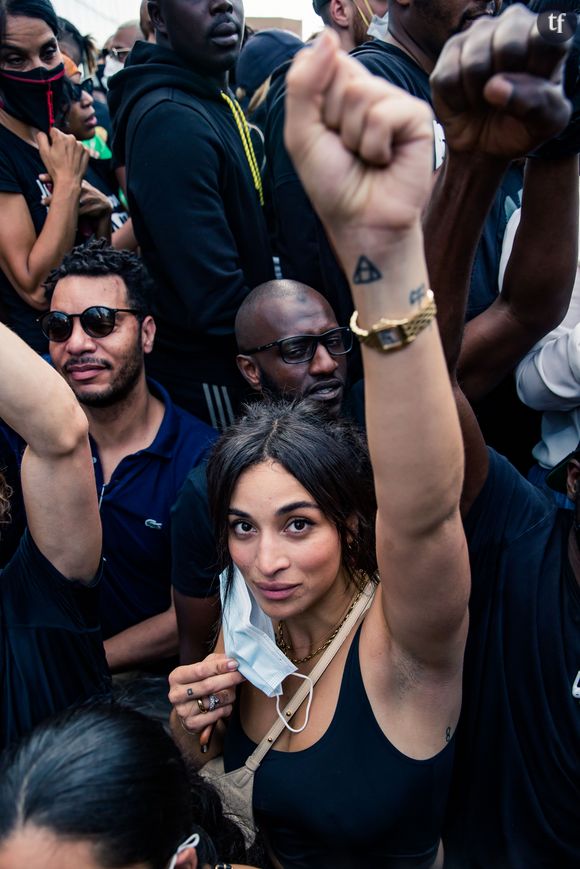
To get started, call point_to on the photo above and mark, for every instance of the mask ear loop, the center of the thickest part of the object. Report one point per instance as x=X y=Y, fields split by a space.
x=362 y=15
x=286 y=724
x=192 y=842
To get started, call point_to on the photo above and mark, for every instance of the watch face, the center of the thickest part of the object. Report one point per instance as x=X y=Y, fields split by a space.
x=390 y=337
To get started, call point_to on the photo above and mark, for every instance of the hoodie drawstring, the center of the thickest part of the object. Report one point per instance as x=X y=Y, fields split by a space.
x=244 y=132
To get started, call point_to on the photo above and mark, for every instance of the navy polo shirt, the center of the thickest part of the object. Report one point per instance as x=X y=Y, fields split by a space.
x=135 y=512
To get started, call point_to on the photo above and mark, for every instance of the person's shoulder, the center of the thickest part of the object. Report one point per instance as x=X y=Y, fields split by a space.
x=194 y=489
x=393 y=65
x=172 y=112
x=508 y=506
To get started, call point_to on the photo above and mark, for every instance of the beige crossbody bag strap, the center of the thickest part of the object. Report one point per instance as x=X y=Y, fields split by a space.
x=362 y=605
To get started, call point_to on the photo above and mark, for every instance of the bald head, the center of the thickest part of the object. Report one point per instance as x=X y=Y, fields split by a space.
x=126 y=35
x=287 y=309
x=274 y=306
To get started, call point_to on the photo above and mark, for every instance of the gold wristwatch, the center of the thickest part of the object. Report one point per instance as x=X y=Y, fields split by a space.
x=389 y=335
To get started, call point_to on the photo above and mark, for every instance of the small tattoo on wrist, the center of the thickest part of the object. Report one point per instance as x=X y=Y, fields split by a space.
x=417 y=294
x=366 y=272
x=448 y=735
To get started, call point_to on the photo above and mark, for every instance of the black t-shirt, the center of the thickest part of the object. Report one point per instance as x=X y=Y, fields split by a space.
x=20 y=166
x=193 y=547
x=516 y=794
x=11 y=529
x=51 y=653
x=395 y=66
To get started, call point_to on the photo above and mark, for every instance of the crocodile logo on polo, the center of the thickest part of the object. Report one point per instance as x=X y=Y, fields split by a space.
x=152 y=523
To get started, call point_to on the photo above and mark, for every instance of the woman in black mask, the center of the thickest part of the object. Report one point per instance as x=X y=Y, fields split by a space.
x=33 y=238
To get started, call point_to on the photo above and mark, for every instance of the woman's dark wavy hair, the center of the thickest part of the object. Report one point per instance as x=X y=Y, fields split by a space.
x=327 y=456
x=42 y=9
x=110 y=776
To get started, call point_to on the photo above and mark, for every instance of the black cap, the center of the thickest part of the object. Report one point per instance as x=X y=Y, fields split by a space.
x=262 y=54
x=318 y=4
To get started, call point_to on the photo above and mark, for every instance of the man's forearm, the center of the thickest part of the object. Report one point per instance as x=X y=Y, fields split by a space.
x=151 y=640
x=538 y=281
x=542 y=265
x=463 y=193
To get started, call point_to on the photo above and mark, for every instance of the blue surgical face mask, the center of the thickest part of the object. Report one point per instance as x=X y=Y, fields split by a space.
x=249 y=640
x=192 y=842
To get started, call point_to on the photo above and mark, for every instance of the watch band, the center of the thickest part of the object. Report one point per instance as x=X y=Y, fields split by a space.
x=389 y=335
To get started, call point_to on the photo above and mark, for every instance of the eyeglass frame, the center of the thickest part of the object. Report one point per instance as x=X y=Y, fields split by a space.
x=137 y=311
x=119 y=53
x=317 y=339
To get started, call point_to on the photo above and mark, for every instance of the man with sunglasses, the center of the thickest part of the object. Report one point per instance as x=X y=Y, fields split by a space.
x=99 y=331
x=290 y=346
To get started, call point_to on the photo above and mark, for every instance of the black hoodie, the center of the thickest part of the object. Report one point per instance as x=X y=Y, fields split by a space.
x=195 y=209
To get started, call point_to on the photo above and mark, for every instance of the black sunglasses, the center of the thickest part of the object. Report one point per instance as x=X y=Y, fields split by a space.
x=97 y=321
x=301 y=348
x=87 y=86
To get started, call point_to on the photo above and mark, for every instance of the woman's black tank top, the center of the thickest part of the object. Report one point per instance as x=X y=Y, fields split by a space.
x=351 y=799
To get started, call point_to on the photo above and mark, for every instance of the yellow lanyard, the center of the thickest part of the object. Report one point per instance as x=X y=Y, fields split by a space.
x=361 y=13
x=244 y=132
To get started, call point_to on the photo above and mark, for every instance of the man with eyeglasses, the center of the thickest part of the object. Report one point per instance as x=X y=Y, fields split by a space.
x=122 y=41
x=99 y=331
x=290 y=346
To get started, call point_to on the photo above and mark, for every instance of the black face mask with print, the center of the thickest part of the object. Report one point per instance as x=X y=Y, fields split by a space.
x=37 y=97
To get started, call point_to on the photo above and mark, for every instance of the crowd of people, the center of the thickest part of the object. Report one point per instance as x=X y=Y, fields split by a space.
x=290 y=438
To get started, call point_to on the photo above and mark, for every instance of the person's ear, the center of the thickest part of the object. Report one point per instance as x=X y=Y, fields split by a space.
x=340 y=12
x=249 y=371
x=156 y=15
x=187 y=859
x=573 y=479
x=148 y=330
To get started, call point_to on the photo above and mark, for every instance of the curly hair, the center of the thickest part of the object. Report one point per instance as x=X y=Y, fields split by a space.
x=328 y=456
x=99 y=259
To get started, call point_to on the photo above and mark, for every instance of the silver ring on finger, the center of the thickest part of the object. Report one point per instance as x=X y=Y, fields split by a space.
x=213 y=701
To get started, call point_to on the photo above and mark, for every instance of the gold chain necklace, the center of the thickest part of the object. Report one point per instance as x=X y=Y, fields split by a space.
x=287 y=648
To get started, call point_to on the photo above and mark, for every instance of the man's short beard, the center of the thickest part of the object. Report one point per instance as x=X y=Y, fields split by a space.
x=270 y=388
x=121 y=386
x=117 y=392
